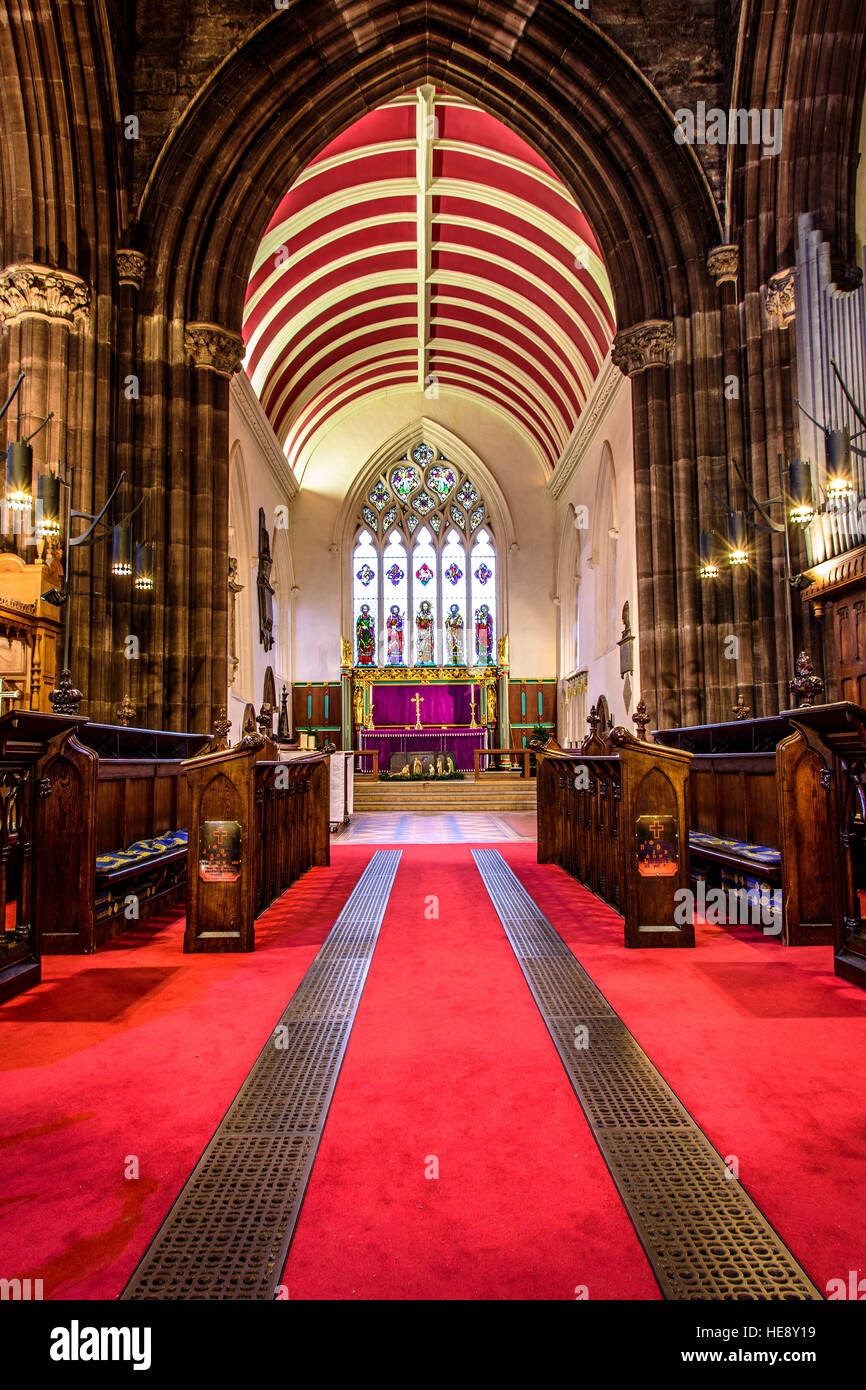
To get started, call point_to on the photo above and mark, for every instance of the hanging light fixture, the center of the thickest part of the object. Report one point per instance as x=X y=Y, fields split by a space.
x=19 y=475
x=709 y=569
x=800 y=492
x=121 y=560
x=48 y=511
x=838 y=454
x=144 y=566
x=737 y=538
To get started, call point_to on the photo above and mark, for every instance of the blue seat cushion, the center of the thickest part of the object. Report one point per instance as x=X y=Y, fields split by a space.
x=760 y=855
x=141 y=852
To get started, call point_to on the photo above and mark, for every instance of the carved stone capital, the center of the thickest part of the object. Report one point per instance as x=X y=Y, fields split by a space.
x=131 y=266
x=212 y=348
x=649 y=344
x=779 y=297
x=38 y=291
x=723 y=262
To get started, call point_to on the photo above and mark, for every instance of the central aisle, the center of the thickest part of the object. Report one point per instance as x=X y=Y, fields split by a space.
x=451 y=1069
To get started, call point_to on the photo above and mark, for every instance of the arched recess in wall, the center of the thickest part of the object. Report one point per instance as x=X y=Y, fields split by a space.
x=462 y=457
x=245 y=598
x=605 y=535
x=282 y=579
x=569 y=563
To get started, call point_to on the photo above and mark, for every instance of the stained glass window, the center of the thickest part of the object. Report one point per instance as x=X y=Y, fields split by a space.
x=365 y=600
x=412 y=550
x=423 y=454
x=423 y=553
x=395 y=602
x=457 y=648
x=483 y=569
x=441 y=479
x=405 y=480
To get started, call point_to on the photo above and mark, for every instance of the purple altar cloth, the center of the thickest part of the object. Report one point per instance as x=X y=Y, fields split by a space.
x=440 y=704
x=462 y=743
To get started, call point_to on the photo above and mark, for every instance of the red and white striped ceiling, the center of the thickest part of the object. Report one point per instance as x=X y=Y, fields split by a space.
x=427 y=248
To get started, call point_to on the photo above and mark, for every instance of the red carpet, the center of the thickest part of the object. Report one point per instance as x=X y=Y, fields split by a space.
x=135 y=1052
x=449 y=1060
x=760 y=1043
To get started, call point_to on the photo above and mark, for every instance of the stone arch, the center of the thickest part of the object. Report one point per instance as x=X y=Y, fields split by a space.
x=603 y=554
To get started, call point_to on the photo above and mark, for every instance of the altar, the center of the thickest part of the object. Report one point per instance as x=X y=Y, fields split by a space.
x=461 y=742
x=434 y=708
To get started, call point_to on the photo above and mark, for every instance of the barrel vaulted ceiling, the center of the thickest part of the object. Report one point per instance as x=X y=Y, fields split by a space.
x=428 y=248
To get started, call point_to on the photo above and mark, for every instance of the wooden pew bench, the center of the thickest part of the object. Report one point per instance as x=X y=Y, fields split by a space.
x=256 y=824
x=758 y=823
x=116 y=800
x=613 y=814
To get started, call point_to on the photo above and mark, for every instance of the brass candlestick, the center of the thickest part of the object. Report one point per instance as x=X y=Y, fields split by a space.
x=472 y=724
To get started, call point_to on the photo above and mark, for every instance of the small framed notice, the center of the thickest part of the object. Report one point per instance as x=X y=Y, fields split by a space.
x=219 y=851
x=657 y=846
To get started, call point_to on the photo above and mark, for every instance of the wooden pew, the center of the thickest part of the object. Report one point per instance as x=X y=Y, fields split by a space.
x=614 y=814
x=117 y=816
x=835 y=735
x=31 y=871
x=256 y=824
x=759 y=815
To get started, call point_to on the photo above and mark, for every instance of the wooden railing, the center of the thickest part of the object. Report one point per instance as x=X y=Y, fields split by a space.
x=517 y=756
x=366 y=753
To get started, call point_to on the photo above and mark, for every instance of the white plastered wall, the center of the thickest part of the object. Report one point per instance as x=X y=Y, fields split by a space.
x=596 y=573
x=259 y=476
x=327 y=477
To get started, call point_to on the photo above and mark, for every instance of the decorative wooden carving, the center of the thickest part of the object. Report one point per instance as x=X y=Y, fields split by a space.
x=805 y=685
x=65 y=699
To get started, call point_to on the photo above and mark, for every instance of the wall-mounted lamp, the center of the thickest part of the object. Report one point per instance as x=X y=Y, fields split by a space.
x=121 y=556
x=838 y=453
x=709 y=569
x=144 y=566
x=802 y=506
x=19 y=475
x=48 y=524
x=737 y=539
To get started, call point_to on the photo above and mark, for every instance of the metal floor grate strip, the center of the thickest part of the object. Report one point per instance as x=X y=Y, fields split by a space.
x=703 y=1235
x=228 y=1234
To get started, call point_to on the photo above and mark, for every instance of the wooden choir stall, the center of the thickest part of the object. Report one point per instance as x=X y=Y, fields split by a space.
x=256 y=823
x=614 y=815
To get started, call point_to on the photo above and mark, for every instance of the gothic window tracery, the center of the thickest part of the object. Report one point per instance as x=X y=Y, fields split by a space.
x=423 y=538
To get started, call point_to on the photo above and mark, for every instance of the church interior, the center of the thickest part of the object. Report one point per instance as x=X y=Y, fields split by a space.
x=432 y=651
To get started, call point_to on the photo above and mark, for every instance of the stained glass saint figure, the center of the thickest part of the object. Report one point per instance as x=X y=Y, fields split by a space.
x=483 y=636
x=454 y=636
x=366 y=637
x=424 y=629
x=395 y=636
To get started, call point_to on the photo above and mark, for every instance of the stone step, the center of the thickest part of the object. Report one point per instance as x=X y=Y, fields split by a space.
x=491 y=794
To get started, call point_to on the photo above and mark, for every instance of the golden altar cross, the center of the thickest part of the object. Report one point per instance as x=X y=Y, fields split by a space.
x=417 y=701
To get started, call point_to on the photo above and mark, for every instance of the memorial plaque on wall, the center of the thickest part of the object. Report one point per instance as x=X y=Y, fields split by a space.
x=657 y=846
x=219 y=851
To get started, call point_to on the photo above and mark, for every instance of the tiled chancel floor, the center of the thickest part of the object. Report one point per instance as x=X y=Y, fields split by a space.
x=436 y=828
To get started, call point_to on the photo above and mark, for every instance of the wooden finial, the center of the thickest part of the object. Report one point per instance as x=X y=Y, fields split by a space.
x=805 y=685
x=221 y=726
x=65 y=699
x=741 y=710
x=125 y=712
x=592 y=720
x=641 y=719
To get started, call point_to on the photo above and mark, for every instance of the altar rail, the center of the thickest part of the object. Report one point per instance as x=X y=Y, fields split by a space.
x=518 y=757
x=273 y=819
x=366 y=755
x=601 y=811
